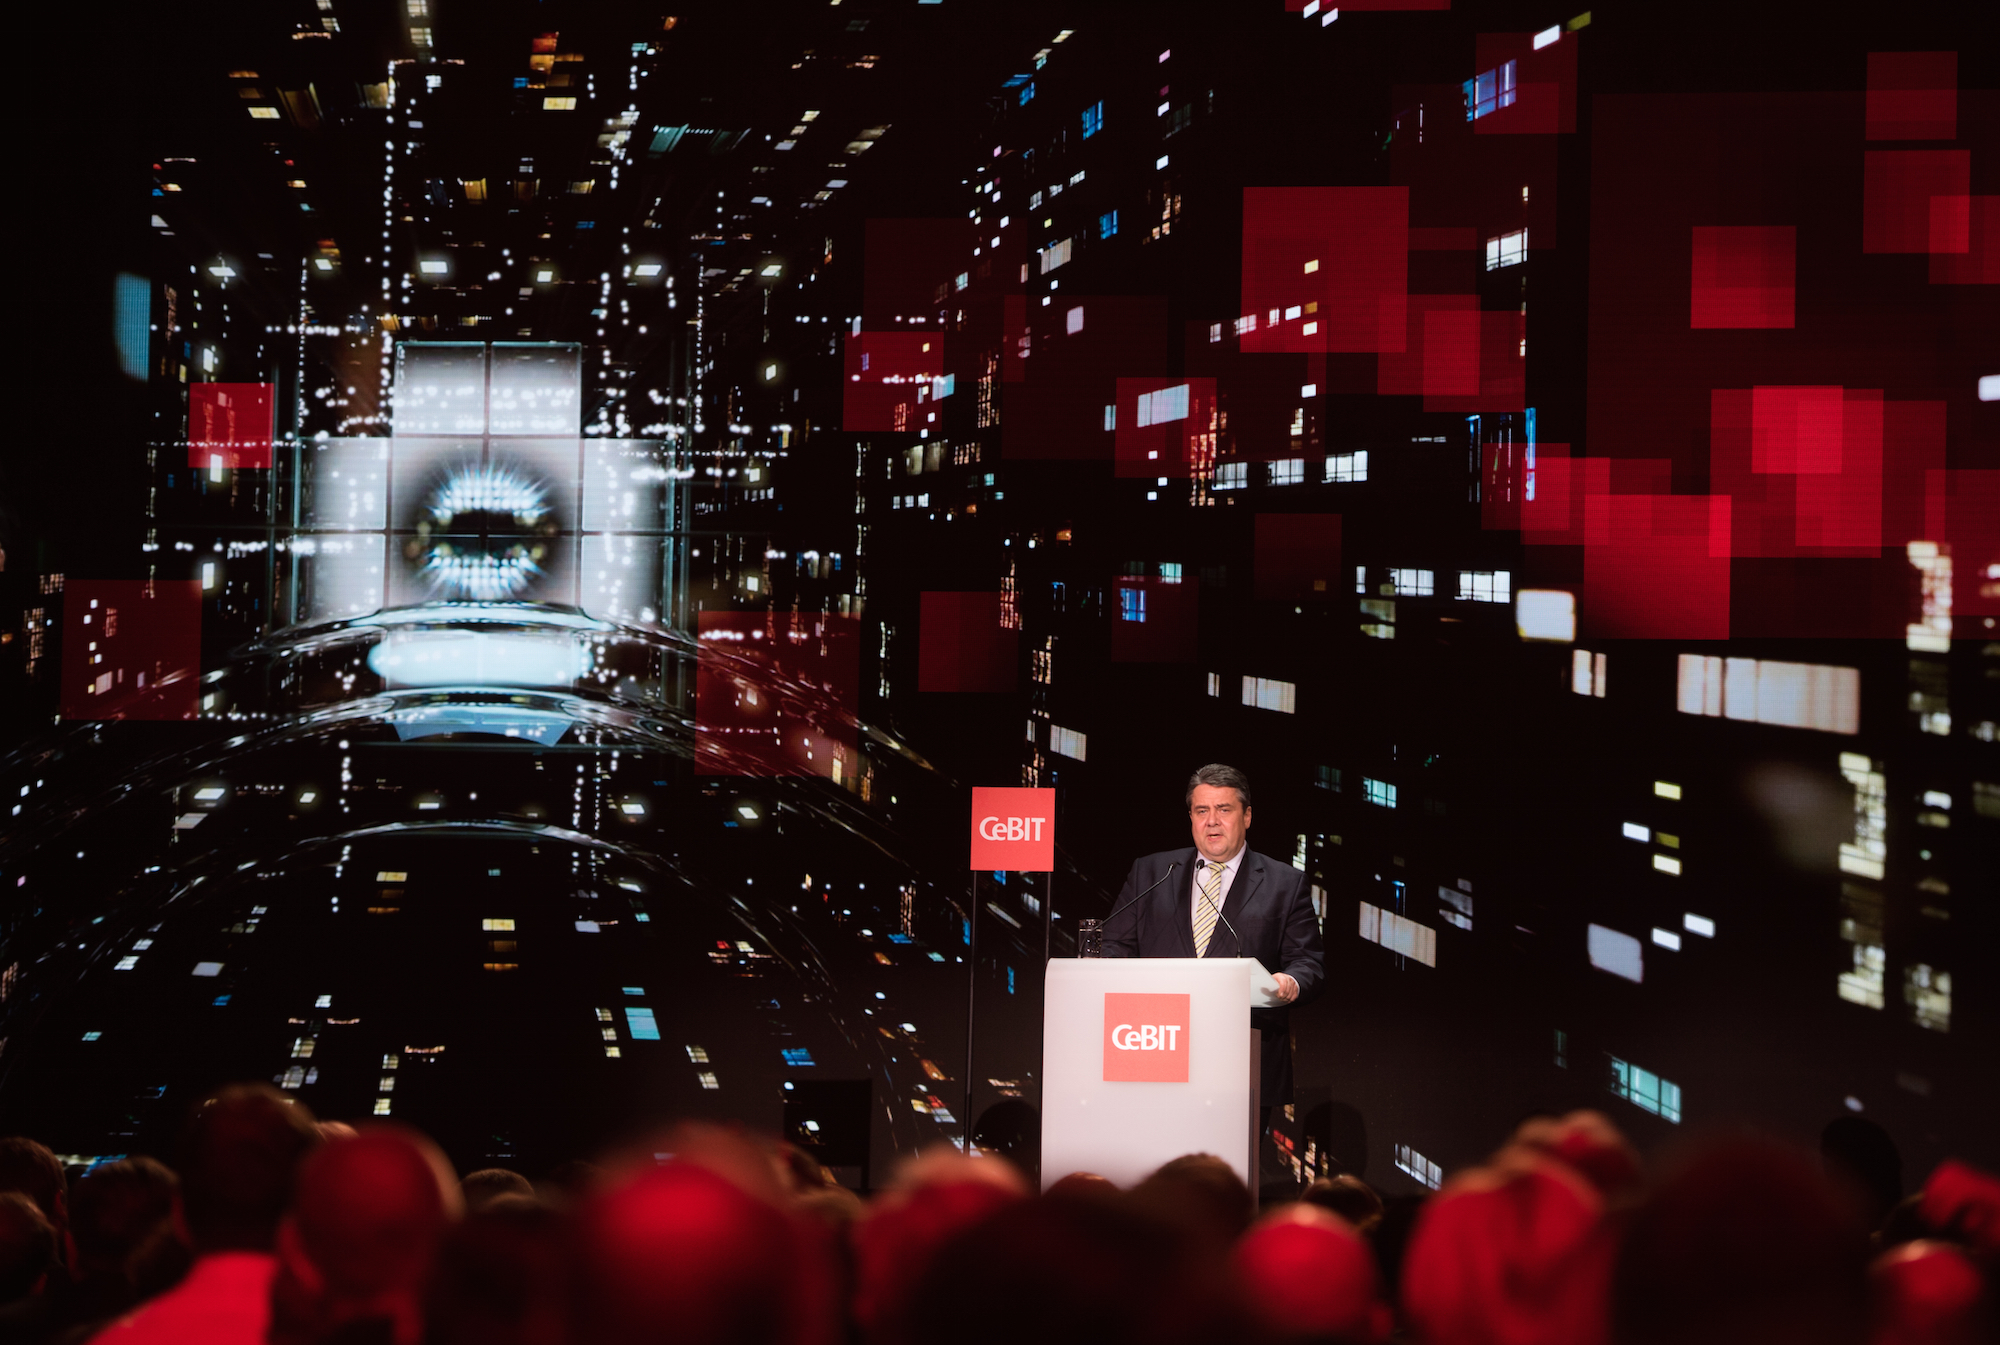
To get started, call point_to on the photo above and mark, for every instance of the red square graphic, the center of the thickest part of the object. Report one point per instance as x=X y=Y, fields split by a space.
x=1912 y=95
x=1325 y=268
x=229 y=424
x=1917 y=200
x=890 y=377
x=1297 y=557
x=1744 y=277
x=1013 y=829
x=1979 y=264
x=131 y=648
x=1145 y=1038
x=1156 y=619
x=776 y=693
x=965 y=644
x=1656 y=567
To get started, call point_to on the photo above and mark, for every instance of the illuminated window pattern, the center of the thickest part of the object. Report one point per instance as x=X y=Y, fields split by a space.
x=1408 y=1160
x=1867 y=854
x=1927 y=995
x=1267 y=693
x=1067 y=742
x=1232 y=475
x=1646 y=1090
x=1399 y=934
x=1586 y=672
x=1413 y=583
x=1131 y=603
x=1861 y=930
x=1093 y=120
x=1343 y=467
x=1287 y=471
x=1507 y=250
x=1486 y=585
x=1490 y=91
x=1168 y=404
x=1378 y=792
x=1792 y=695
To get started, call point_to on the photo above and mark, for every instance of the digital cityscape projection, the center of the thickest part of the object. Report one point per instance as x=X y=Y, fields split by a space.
x=531 y=521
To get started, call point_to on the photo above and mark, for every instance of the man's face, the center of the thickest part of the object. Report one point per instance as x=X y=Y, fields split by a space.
x=1220 y=819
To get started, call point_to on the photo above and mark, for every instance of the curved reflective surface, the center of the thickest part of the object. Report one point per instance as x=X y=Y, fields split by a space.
x=478 y=866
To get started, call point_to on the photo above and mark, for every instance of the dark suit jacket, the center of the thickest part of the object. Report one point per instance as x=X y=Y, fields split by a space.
x=1270 y=906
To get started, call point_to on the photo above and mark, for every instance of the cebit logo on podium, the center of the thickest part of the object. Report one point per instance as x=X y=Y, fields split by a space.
x=1145 y=1038
x=1014 y=829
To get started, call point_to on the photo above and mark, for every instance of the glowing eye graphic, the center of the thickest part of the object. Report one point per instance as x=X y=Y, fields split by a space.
x=506 y=513
x=488 y=491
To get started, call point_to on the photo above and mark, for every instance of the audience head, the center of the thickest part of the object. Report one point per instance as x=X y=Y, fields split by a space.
x=1349 y=1197
x=938 y=1195
x=484 y=1186
x=1086 y=1270
x=30 y=1168
x=238 y=1156
x=1306 y=1275
x=1863 y=1163
x=27 y=1247
x=682 y=1253
x=362 y=1232
x=1514 y=1253
x=501 y=1278
x=1594 y=1148
x=1203 y=1195
x=1087 y=1184
x=1928 y=1293
x=115 y=1208
x=1748 y=1243
x=1963 y=1203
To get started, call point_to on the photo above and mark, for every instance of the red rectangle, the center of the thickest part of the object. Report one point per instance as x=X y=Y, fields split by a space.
x=1916 y=200
x=229 y=424
x=1297 y=557
x=964 y=643
x=1912 y=95
x=1146 y=1037
x=1013 y=829
x=889 y=379
x=1332 y=263
x=777 y=695
x=1160 y=431
x=1656 y=567
x=1744 y=277
x=1155 y=621
x=131 y=648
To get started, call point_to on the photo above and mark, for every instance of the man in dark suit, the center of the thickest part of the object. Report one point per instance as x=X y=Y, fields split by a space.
x=1226 y=900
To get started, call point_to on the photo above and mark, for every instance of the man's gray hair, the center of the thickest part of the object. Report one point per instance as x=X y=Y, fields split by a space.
x=1218 y=776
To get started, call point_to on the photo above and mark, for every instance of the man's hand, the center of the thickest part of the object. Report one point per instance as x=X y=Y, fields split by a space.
x=1288 y=989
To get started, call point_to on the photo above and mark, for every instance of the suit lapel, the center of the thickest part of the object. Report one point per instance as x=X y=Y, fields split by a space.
x=1242 y=892
x=1183 y=911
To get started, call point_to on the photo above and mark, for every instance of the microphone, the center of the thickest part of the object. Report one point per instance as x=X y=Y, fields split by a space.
x=1199 y=865
x=1127 y=905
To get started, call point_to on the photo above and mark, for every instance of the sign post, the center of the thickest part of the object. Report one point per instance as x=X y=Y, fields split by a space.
x=1013 y=830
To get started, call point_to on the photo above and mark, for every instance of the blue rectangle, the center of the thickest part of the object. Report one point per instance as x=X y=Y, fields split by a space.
x=642 y=1025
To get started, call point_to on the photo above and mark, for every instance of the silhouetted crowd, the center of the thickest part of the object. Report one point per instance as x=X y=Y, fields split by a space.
x=272 y=1228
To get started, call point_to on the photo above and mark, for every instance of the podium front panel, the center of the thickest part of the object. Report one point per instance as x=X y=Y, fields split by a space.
x=1144 y=1060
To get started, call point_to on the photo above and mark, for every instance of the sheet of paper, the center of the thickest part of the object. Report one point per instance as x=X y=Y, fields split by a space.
x=1263 y=987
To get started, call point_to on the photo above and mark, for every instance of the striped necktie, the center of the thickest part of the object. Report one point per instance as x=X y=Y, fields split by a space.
x=1207 y=909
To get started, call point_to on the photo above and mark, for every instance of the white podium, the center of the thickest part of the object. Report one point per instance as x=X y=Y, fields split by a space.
x=1147 y=1059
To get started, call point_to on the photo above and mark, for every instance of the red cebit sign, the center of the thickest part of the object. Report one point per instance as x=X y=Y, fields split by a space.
x=1014 y=830
x=1145 y=1038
